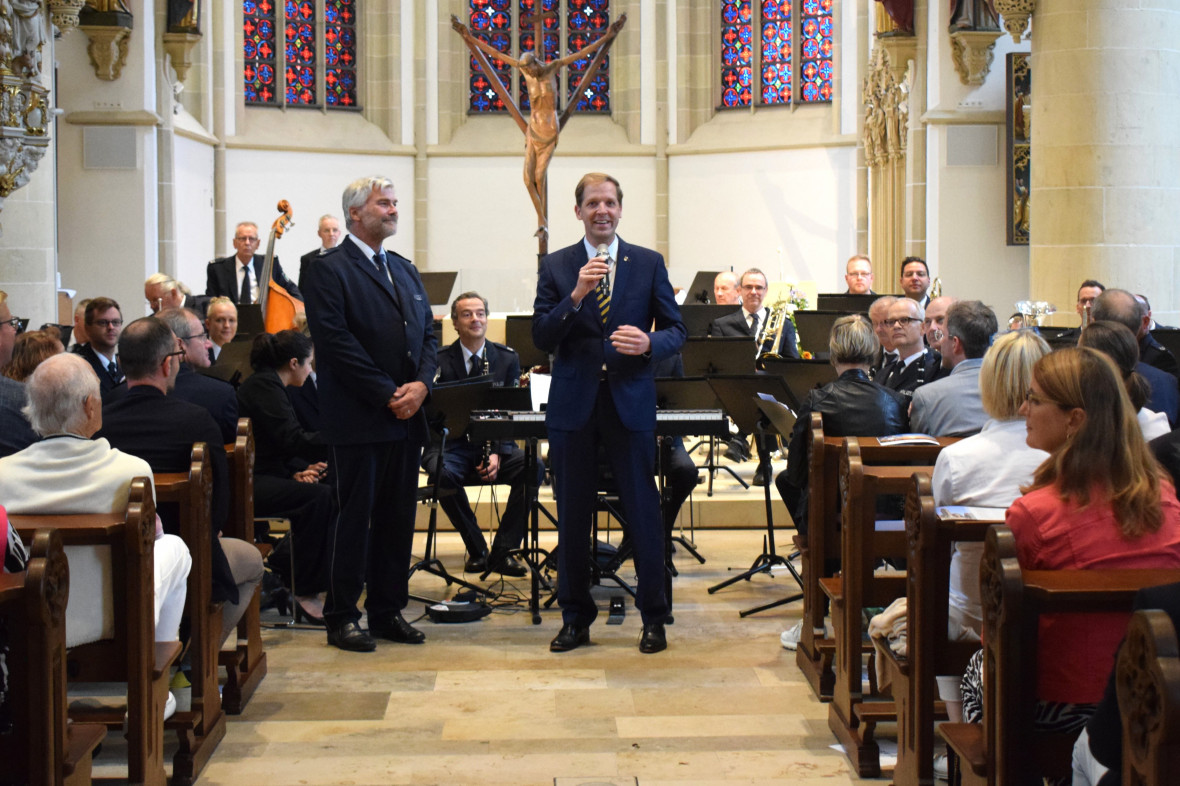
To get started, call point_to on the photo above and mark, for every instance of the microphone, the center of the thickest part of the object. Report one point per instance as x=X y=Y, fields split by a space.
x=603 y=251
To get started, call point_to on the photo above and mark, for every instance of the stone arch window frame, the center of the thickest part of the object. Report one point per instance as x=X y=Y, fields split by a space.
x=757 y=103
x=321 y=67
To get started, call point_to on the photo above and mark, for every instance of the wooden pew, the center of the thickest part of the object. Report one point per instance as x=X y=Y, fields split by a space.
x=851 y=717
x=930 y=652
x=42 y=747
x=1005 y=749
x=200 y=729
x=132 y=657
x=245 y=665
x=1148 y=680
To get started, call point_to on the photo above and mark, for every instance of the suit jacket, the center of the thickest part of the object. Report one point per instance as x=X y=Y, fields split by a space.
x=926 y=368
x=580 y=343
x=1165 y=391
x=106 y=382
x=15 y=432
x=214 y=395
x=305 y=400
x=198 y=304
x=161 y=430
x=221 y=278
x=735 y=325
x=307 y=258
x=366 y=345
x=503 y=367
x=283 y=446
x=1155 y=354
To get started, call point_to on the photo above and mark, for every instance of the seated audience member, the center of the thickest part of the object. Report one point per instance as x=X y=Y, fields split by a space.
x=163 y=291
x=1151 y=323
x=214 y=395
x=221 y=322
x=934 y=321
x=78 y=334
x=851 y=406
x=68 y=472
x=103 y=324
x=858 y=275
x=878 y=313
x=1088 y=292
x=726 y=291
x=1118 y=344
x=328 y=230
x=1016 y=321
x=915 y=280
x=237 y=276
x=15 y=433
x=952 y=406
x=15 y=555
x=915 y=365
x=289 y=465
x=161 y=430
x=28 y=351
x=989 y=469
x=1119 y=305
x=1099 y=501
x=472 y=355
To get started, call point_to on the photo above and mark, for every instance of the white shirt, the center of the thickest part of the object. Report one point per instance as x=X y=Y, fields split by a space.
x=467 y=354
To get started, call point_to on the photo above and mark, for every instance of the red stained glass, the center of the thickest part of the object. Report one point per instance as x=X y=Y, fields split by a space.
x=816 y=41
x=759 y=40
x=258 y=51
x=340 y=53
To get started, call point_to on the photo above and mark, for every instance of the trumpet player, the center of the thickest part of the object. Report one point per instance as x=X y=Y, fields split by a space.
x=1088 y=292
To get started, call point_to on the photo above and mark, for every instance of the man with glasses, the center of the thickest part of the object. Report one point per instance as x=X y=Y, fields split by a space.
x=15 y=432
x=858 y=275
x=237 y=277
x=161 y=429
x=103 y=322
x=915 y=364
x=214 y=395
x=163 y=291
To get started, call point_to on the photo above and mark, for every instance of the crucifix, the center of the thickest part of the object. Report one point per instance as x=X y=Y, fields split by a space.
x=543 y=125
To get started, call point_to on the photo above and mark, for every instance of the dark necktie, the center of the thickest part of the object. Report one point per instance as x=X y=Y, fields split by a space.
x=245 y=297
x=476 y=366
x=113 y=370
x=754 y=324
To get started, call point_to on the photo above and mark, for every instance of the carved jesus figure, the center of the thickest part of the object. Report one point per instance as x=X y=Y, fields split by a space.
x=543 y=125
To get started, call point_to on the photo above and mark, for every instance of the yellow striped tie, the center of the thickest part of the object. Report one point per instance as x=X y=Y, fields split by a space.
x=602 y=292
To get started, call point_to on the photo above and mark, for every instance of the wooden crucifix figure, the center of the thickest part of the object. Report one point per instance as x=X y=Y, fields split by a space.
x=543 y=125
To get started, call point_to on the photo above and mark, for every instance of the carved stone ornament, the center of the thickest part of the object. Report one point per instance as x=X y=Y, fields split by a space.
x=107 y=49
x=886 y=102
x=24 y=105
x=1016 y=14
x=179 y=47
x=972 y=52
x=64 y=13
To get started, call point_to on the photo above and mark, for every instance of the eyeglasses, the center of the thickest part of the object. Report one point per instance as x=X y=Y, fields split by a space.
x=107 y=323
x=1037 y=398
x=859 y=274
x=901 y=321
x=247 y=239
x=18 y=324
x=180 y=353
x=197 y=336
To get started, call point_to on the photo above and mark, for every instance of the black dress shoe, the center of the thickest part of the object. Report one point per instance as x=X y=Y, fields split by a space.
x=507 y=565
x=395 y=628
x=350 y=636
x=476 y=564
x=736 y=450
x=653 y=639
x=569 y=638
x=761 y=476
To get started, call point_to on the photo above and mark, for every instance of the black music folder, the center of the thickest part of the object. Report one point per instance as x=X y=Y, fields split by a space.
x=699 y=318
x=718 y=355
x=438 y=286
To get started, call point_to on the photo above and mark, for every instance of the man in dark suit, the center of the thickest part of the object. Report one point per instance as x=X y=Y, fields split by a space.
x=161 y=430
x=603 y=393
x=228 y=276
x=915 y=364
x=329 y=232
x=214 y=395
x=15 y=431
x=376 y=355
x=104 y=324
x=472 y=356
x=163 y=291
x=1119 y=305
x=858 y=275
x=915 y=280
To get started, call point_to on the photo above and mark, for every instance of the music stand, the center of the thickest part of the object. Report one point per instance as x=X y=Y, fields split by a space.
x=518 y=334
x=718 y=355
x=698 y=318
x=694 y=393
x=801 y=376
x=250 y=322
x=815 y=329
x=740 y=396
x=449 y=412
x=438 y=286
x=701 y=288
x=845 y=302
x=232 y=364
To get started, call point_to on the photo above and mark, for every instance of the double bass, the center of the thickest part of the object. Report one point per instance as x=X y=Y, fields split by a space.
x=279 y=308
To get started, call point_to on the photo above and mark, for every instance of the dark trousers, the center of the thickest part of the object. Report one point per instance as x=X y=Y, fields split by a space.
x=311 y=510
x=373 y=536
x=459 y=469
x=574 y=456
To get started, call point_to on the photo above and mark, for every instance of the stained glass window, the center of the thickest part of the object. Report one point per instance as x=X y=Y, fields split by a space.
x=258 y=72
x=567 y=27
x=317 y=60
x=768 y=58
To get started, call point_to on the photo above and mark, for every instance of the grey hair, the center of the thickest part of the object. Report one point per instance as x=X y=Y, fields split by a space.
x=56 y=391
x=356 y=192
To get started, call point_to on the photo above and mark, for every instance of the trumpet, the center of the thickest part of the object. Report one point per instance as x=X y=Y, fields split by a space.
x=936 y=288
x=770 y=335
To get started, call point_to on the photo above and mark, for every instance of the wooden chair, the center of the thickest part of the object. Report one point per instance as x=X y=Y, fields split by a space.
x=1148 y=681
x=42 y=747
x=930 y=651
x=1006 y=749
x=246 y=664
x=131 y=657
x=201 y=728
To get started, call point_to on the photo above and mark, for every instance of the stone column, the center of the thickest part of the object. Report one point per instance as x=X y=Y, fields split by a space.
x=1105 y=151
